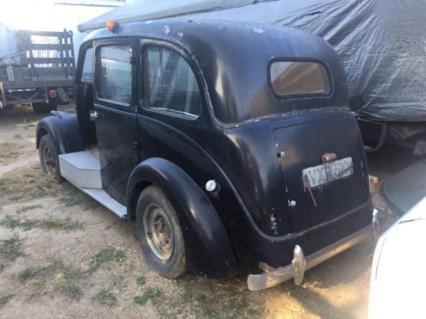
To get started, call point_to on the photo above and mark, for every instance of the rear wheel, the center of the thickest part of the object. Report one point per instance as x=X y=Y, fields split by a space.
x=41 y=108
x=49 y=158
x=160 y=233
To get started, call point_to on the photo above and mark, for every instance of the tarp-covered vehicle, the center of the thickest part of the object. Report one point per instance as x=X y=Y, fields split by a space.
x=36 y=67
x=221 y=141
x=381 y=44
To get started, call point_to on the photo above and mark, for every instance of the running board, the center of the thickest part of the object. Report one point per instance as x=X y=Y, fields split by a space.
x=82 y=169
x=107 y=201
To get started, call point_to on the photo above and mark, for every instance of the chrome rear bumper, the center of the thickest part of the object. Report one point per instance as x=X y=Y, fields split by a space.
x=301 y=263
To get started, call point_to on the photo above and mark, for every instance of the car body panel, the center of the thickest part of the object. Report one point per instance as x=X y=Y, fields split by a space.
x=398 y=272
x=64 y=129
x=117 y=133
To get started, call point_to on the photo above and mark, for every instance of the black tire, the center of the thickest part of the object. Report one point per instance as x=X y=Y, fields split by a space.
x=173 y=263
x=49 y=159
x=41 y=108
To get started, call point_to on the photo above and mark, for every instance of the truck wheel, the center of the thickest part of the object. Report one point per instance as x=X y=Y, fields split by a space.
x=49 y=158
x=160 y=233
x=41 y=108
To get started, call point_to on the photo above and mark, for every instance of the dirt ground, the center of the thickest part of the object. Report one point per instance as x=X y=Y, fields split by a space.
x=64 y=256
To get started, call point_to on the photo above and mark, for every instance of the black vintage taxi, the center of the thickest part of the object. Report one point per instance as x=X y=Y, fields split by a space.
x=221 y=141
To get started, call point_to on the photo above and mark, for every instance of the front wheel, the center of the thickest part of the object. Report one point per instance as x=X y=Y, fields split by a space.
x=160 y=233
x=49 y=159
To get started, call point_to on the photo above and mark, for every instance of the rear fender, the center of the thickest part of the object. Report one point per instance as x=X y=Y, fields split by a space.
x=194 y=208
x=64 y=129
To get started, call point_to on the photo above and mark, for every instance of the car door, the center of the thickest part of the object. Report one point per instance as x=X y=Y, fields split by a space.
x=170 y=117
x=114 y=113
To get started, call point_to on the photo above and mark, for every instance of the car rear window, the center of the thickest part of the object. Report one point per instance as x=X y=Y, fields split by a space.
x=293 y=78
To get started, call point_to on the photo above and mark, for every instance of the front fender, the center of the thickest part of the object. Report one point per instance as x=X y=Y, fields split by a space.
x=194 y=209
x=64 y=129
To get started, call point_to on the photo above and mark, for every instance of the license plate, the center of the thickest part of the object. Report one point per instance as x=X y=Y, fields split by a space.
x=325 y=173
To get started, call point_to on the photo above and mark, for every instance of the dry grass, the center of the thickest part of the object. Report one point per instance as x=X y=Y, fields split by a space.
x=25 y=184
x=5 y=299
x=24 y=209
x=56 y=277
x=105 y=297
x=71 y=196
x=149 y=294
x=106 y=255
x=66 y=224
x=10 y=250
x=9 y=152
x=53 y=278
x=201 y=300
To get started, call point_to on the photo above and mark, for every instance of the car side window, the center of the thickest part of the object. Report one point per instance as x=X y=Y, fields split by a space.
x=170 y=82
x=115 y=78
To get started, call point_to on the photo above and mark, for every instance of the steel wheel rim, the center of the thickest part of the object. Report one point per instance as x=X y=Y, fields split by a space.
x=49 y=161
x=158 y=232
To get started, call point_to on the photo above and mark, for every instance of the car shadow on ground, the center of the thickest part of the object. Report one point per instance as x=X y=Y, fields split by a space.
x=338 y=288
x=340 y=269
x=320 y=306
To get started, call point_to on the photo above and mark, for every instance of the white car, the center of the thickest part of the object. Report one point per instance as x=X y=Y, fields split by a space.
x=398 y=275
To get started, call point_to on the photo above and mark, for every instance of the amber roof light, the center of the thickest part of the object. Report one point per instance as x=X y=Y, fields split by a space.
x=112 y=25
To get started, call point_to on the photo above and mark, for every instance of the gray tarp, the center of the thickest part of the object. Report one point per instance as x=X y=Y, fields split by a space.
x=381 y=43
x=139 y=10
x=10 y=50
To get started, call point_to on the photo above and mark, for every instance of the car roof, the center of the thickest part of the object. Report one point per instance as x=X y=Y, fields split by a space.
x=234 y=58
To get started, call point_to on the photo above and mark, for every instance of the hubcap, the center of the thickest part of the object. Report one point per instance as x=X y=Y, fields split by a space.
x=49 y=161
x=158 y=231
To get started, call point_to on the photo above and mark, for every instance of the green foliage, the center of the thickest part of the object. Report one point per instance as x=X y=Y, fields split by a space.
x=141 y=280
x=70 y=201
x=5 y=299
x=66 y=224
x=10 y=249
x=27 y=208
x=54 y=277
x=106 y=255
x=104 y=297
x=150 y=293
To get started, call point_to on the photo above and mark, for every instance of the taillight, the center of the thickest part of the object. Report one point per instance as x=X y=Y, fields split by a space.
x=53 y=94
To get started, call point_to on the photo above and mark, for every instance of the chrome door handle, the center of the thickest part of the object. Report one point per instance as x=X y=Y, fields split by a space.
x=94 y=115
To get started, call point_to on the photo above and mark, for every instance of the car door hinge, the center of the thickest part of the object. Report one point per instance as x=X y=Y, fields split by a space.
x=136 y=145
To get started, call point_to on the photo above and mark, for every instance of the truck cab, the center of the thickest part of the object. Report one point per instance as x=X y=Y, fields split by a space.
x=222 y=141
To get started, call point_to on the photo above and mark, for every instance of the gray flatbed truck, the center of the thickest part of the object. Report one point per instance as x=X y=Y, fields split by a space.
x=37 y=68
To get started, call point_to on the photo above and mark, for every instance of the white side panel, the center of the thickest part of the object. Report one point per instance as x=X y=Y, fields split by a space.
x=105 y=200
x=82 y=169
